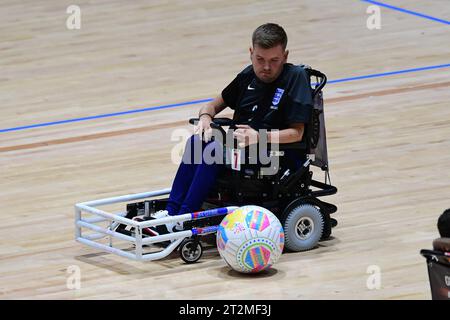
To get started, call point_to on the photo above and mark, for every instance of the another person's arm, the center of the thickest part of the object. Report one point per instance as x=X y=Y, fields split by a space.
x=442 y=244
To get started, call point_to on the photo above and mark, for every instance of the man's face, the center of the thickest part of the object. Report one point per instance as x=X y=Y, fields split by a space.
x=268 y=63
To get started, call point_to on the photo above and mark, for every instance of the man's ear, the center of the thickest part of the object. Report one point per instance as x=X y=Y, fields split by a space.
x=250 y=49
x=286 y=53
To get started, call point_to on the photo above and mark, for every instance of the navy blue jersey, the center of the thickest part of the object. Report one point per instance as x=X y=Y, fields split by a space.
x=274 y=105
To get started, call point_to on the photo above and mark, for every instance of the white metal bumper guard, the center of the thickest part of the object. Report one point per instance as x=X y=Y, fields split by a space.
x=119 y=218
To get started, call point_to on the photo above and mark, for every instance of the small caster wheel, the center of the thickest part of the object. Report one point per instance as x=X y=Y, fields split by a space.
x=190 y=250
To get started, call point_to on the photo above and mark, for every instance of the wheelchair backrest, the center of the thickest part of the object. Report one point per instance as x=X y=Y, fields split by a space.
x=316 y=133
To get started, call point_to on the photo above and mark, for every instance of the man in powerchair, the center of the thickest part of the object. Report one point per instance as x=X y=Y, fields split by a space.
x=268 y=94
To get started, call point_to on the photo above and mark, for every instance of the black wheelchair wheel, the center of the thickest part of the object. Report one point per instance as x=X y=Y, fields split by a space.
x=303 y=227
x=190 y=250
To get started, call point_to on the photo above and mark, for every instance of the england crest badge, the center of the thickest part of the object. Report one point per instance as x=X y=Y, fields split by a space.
x=277 y=96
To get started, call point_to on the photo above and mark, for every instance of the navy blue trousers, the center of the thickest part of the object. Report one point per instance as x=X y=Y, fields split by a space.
x=195 y=177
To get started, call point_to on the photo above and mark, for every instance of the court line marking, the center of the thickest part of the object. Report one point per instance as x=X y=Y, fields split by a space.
x=183 y=122
x=414 y=13
x=175 y=105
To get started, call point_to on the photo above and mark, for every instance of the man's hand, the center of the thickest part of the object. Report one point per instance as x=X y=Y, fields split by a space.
x=245 y=135
x=203 y=128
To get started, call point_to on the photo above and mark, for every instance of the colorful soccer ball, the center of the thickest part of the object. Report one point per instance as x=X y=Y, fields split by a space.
x=250 y=239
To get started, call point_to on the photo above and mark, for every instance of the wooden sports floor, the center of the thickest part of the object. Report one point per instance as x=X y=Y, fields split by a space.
x=388 y=124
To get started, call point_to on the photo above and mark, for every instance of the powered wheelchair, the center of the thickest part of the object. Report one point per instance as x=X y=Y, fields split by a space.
x=290 y=192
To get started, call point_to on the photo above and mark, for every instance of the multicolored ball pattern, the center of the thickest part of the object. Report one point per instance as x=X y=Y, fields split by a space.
x=250 y=239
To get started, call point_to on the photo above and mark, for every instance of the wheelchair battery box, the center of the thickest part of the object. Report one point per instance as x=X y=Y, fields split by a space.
x=145 y=207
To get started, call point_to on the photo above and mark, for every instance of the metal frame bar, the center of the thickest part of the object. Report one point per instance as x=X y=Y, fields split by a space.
x=137 y=239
